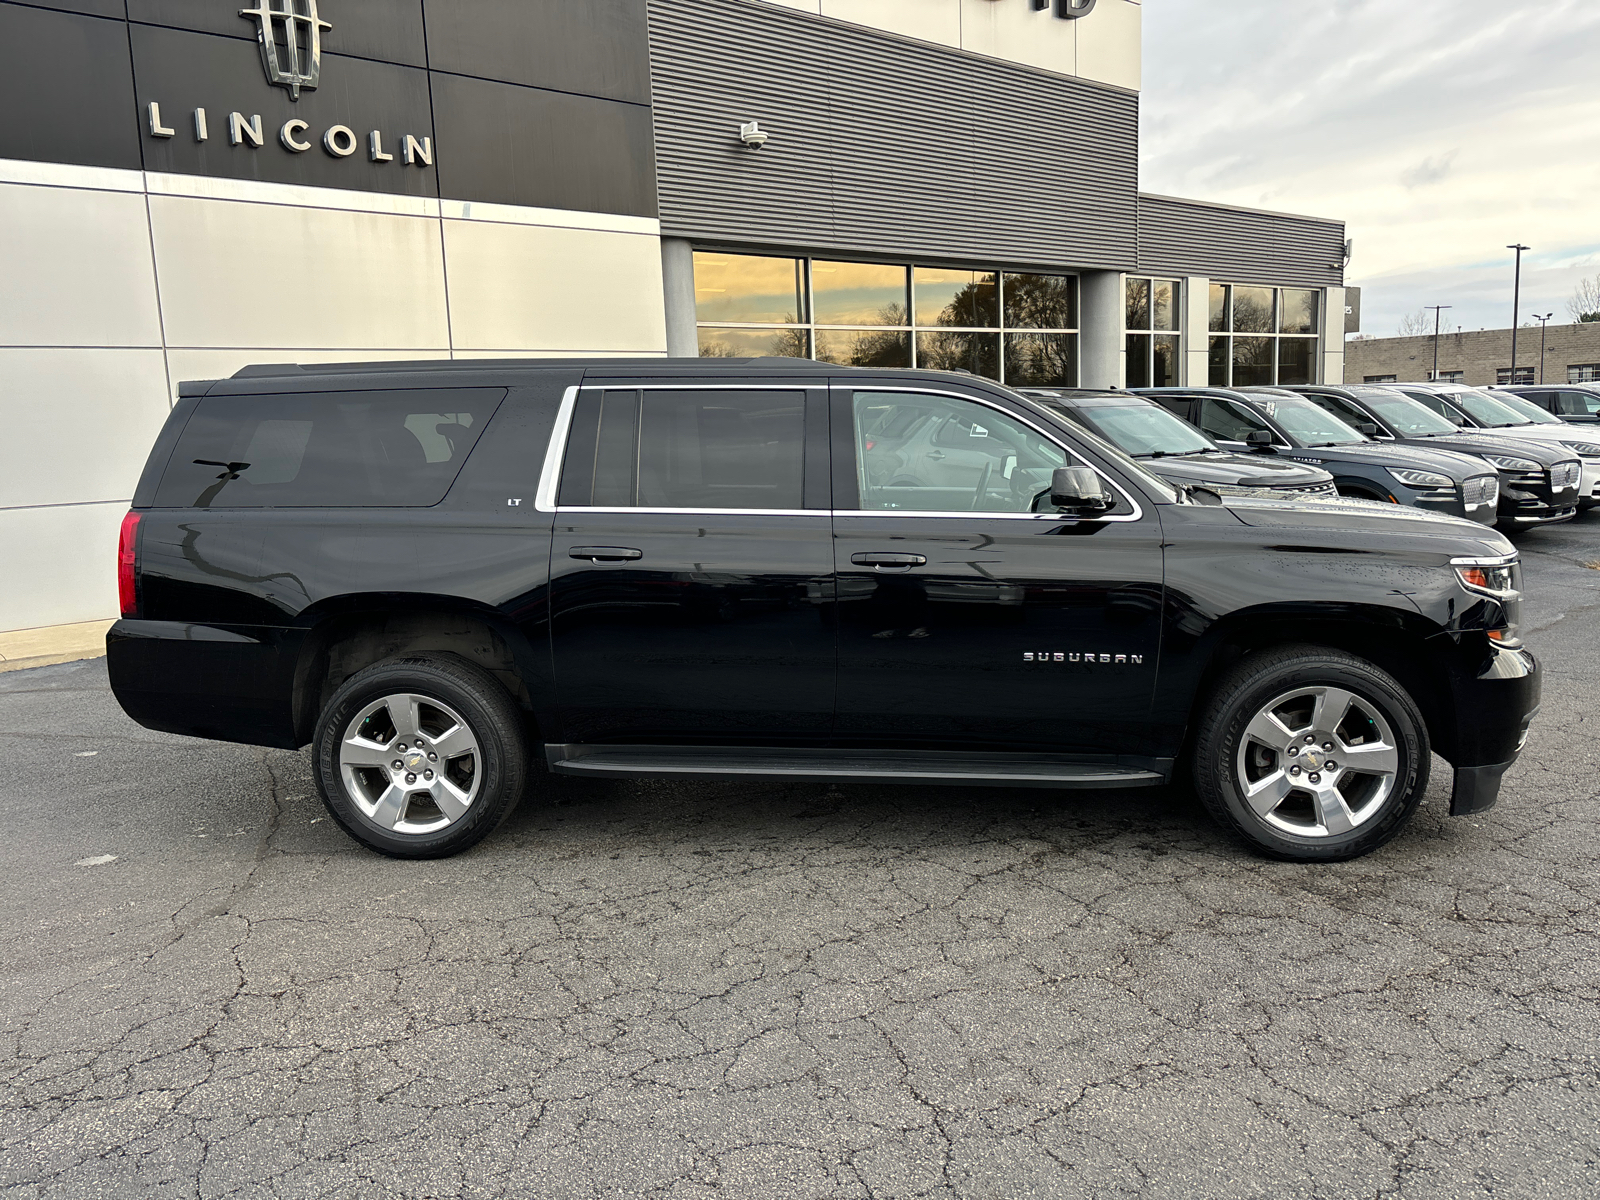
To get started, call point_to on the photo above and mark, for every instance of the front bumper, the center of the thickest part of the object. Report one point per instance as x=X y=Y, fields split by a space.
x=1448 y=503
x=1495 y=696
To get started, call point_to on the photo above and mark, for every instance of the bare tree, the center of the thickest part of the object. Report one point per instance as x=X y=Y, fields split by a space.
x=1584 y=306
x=1415 y=324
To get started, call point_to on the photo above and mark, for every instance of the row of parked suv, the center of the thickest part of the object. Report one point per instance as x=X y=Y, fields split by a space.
x=1495 y=459
x=447 y=578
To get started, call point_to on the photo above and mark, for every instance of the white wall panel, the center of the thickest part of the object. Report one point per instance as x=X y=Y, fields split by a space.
x=78 y=423
x=248 y=275
x=931 y=20
x=1109 y=43
x=521 y=287
x=61 y=564
x=76 y=270
x=1012 y=30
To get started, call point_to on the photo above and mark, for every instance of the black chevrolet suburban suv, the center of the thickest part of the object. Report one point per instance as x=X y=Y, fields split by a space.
x=447 y=577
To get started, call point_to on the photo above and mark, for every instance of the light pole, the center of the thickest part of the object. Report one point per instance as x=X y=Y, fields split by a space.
x=1516 y=307
x=1438 y=309
x=1544 y=323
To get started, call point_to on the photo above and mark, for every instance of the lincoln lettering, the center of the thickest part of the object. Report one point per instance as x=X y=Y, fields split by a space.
x=297 y=137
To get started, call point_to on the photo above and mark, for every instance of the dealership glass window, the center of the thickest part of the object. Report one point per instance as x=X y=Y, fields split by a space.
x=864 y=347
x=1583 y=373
x=967 y=299
x=1452 y=377
x=892 y=315
x=744 y=287
x=1265 y=336
x=1504 y=375
x=1150 y=324
x=1380 y=379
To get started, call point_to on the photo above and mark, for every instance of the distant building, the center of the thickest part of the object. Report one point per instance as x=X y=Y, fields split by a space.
x=1571 y=355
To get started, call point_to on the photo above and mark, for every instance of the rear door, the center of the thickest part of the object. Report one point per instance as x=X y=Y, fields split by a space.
x=966 y=619
x=691 y=568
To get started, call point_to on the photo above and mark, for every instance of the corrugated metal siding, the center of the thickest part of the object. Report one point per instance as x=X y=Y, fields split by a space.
x=1186 y=237
x=883 y=145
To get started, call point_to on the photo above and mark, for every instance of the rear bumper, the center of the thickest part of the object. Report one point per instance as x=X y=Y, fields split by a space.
x=228 y=683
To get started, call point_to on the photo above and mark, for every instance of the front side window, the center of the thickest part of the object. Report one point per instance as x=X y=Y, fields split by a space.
x=1227 y=420
x=1580 y=403
x=697 y=450
x=924 y=453
x=1486 y=410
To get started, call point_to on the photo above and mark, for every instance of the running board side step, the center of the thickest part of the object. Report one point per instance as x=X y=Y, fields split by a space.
x=782 y=764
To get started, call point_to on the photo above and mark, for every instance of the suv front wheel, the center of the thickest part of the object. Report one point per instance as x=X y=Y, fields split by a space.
x=1310 y=754
x=420 y=757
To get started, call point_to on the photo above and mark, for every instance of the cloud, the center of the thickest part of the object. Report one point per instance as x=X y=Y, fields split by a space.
x=1341 y=110
x=1429 y=171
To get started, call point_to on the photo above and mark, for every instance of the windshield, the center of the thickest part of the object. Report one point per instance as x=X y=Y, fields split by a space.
x=1527 y=408
x=1306 y=422
x=1143 y=430
x=1118 y=457
x=1405 y=415
x=1486 y=410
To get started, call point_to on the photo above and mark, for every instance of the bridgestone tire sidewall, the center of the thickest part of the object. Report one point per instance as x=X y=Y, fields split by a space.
x=1258 y=680
x=493 y=718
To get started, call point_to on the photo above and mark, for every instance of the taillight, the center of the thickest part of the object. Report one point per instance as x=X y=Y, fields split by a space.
x=128 y=565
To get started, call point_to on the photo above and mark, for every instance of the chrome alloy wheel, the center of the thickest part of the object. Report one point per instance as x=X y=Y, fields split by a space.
x=1317 y=762
x=410 y=763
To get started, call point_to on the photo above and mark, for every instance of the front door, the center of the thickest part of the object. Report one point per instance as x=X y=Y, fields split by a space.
x=966 y=619
x=691 y=570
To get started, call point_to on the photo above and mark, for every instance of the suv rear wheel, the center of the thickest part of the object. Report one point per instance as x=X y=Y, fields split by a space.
x=421 y=757
x=1310 y=754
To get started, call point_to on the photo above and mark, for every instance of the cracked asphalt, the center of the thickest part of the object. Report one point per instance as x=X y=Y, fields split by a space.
x=690 y=990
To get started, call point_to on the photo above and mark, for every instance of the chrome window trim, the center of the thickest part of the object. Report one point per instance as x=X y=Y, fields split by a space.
x=555 y=456
x=703 y=512
x=1136 y=515
x=544 y=500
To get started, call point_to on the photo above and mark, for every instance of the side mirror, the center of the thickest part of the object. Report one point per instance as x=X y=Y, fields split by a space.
x=1258 y=437
x=1078 y=489
x=1369 y=428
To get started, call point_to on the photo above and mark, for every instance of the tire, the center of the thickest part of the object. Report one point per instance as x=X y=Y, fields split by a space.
x=1259 y=778
x=430 y=807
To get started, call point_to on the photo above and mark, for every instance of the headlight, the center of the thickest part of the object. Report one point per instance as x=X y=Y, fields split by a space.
x=1495 y=577
x=1584 y=449
x=1513 y=464
x=1422 y=479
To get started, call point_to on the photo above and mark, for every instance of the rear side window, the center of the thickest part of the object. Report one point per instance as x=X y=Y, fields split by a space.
x=399 y=449
x=711 y=449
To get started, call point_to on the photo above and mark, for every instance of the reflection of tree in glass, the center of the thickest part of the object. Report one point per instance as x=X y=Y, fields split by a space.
x=882 y=348
x=975 y=352
x=784 y=343
x=1138 y=304
x=1039 y=302
x=1040 y=360
x=975 y=304
x=1250 y=315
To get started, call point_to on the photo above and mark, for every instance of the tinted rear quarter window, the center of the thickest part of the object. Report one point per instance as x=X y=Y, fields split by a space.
x=396 y=449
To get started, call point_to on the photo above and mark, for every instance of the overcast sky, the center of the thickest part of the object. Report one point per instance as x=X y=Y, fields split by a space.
x=1439 y=130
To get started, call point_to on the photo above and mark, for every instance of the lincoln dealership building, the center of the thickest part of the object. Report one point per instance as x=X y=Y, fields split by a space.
x=187 y=186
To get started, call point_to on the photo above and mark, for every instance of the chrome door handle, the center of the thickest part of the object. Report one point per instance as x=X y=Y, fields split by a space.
x=936 y=454
x=891 y=562
x=605 y=553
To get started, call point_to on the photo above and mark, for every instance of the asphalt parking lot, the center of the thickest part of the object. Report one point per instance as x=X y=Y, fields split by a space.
x=688 y=991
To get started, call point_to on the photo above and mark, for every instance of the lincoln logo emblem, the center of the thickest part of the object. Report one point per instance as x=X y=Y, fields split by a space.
x=290 y=33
